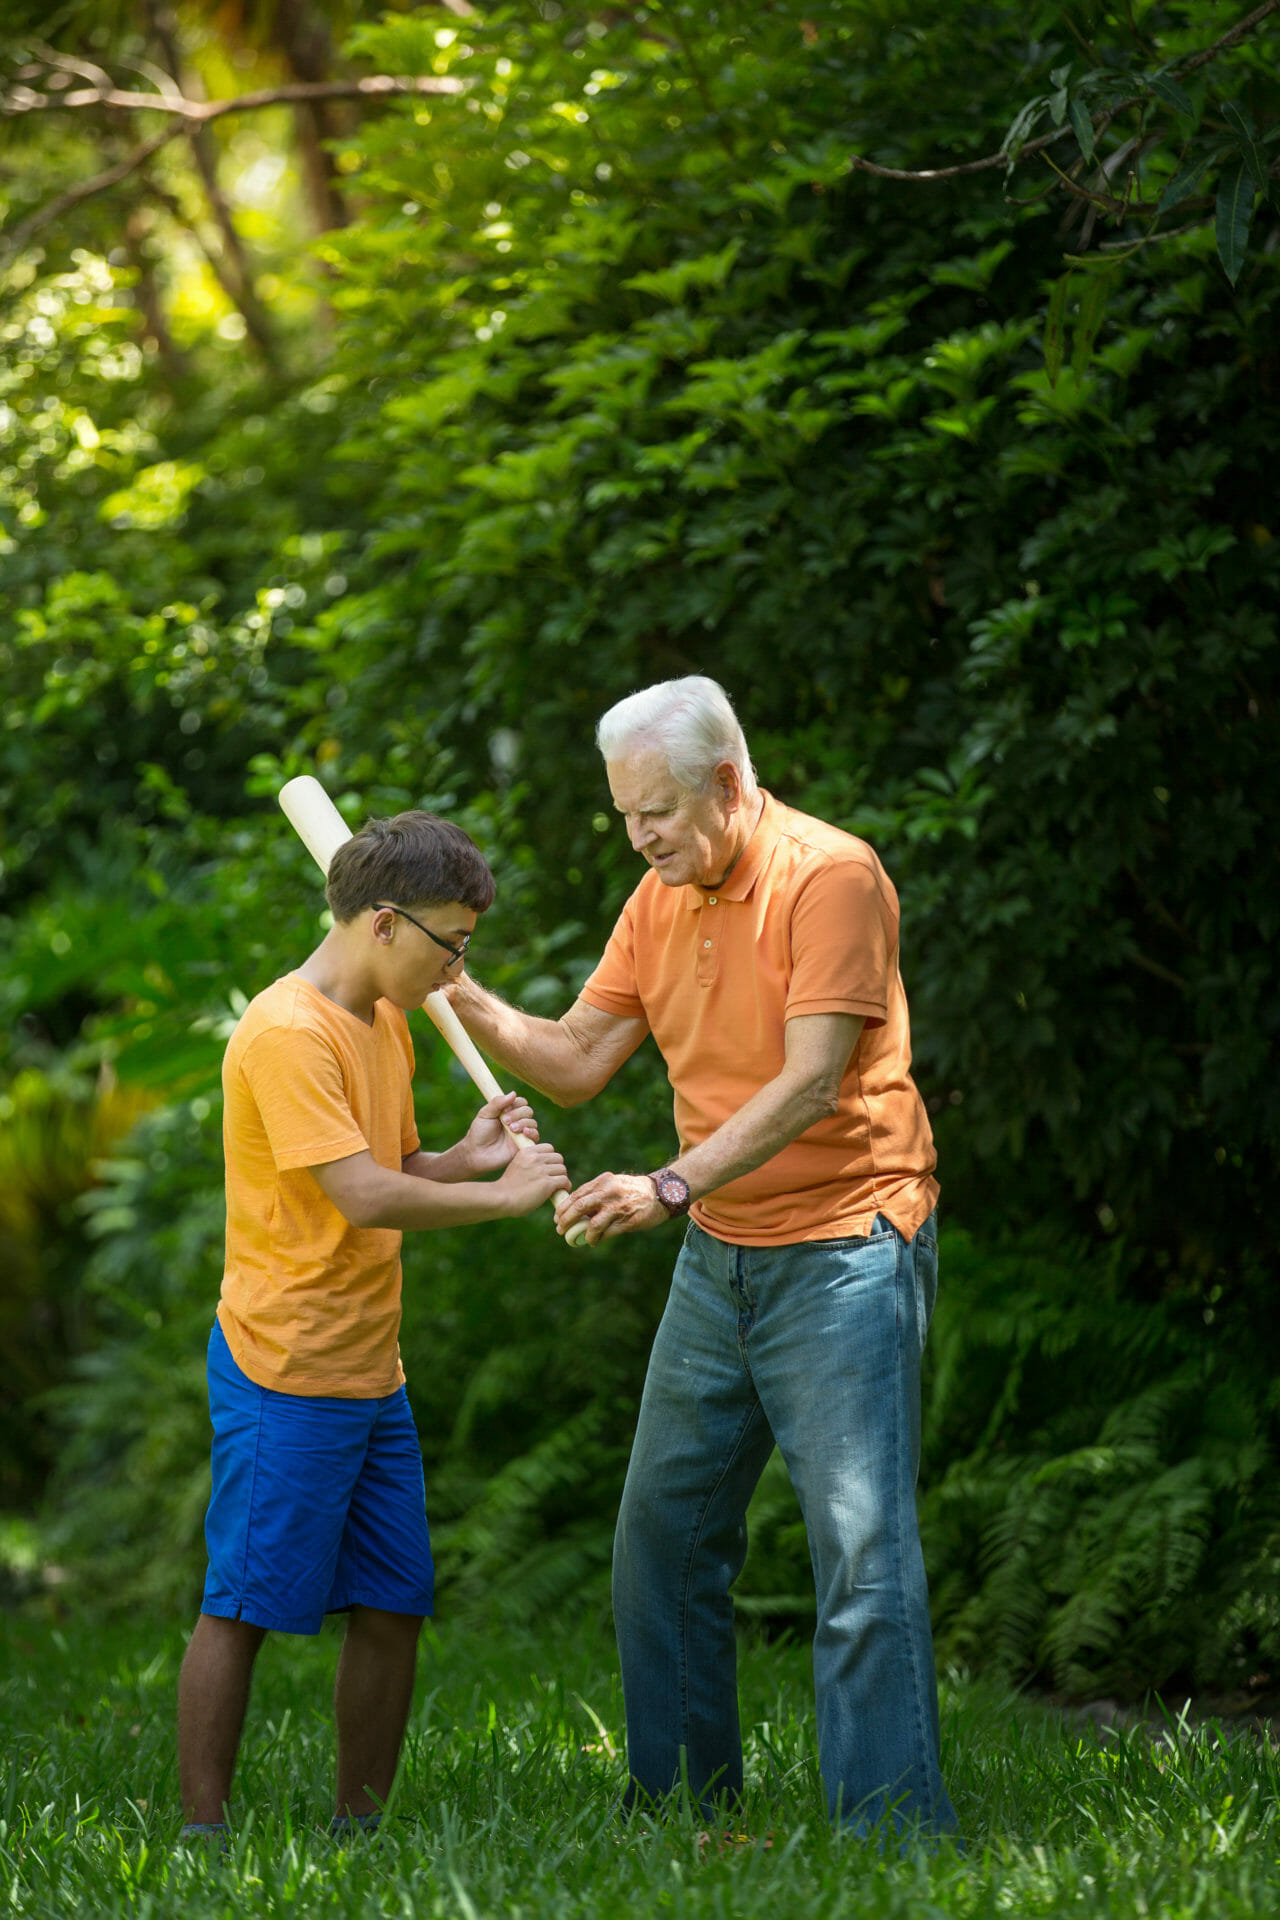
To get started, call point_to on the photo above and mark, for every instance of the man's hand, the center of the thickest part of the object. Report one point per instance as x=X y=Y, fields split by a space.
x=532 y=1177
x=612 y=1204
x=487 y=1142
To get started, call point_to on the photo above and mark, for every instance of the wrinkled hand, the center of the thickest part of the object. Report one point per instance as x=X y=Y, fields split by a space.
x=487 y=1140
x=533 y=1176
x=612 y=1204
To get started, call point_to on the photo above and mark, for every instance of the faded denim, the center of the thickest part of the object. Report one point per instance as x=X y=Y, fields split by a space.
x=816 y=1346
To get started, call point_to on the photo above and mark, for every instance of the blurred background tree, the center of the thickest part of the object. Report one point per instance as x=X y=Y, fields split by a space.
x=570 y=351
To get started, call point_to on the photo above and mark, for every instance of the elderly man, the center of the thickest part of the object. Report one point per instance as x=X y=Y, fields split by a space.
x=761 y=952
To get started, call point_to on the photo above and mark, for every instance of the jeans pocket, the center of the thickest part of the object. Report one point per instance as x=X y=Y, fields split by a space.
x=925 y=1265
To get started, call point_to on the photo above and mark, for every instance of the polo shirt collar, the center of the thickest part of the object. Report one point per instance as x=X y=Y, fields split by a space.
x=754 y=859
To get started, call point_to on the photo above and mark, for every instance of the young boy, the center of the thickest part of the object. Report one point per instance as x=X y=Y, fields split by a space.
x=318 y=1501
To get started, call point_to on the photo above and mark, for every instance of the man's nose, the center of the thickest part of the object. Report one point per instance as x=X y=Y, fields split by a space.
x=640 y=834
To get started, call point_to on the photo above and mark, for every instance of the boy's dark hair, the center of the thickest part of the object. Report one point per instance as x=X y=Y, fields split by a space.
x=413 y=859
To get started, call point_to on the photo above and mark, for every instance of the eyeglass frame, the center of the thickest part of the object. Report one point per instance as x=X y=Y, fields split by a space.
x=455 y=953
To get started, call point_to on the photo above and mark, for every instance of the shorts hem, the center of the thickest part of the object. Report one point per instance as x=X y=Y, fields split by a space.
x=262 y=1617
x=423 y=1607
x=311 y=1623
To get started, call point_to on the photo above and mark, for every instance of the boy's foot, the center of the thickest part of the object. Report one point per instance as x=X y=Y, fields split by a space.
x=350 y=1826
x=206 y=1836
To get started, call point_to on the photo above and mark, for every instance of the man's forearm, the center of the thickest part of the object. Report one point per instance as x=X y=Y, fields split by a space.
x=540 y=1052
x=616 y=1203
x=775 y=1116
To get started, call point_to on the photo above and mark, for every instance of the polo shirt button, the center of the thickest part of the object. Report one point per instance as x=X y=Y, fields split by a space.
x=706 y=943
x=713 y=902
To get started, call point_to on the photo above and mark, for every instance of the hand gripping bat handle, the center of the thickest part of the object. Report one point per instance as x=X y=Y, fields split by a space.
x=322 y=830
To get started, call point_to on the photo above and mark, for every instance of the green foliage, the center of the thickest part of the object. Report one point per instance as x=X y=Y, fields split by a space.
x=629 y=375
x=52 y=1131
x=132 y=1481
x=1099 y=1497
x=1166 y=137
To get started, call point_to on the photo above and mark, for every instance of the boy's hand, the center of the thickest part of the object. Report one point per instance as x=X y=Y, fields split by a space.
x=488 y=1144
x=532 y=1177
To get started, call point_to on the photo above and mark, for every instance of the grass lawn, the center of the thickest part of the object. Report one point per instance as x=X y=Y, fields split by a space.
x=504 y=1805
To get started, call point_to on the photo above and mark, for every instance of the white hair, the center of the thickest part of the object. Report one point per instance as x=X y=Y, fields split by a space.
x=689 y=721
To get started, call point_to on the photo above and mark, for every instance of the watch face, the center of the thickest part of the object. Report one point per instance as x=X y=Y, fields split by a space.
x=672 y=1190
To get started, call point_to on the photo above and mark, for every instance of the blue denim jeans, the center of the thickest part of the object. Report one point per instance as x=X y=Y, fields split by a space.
x=815 y=1346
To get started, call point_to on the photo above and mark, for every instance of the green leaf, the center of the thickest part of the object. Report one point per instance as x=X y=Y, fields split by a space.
x=674 y=282
x=1055 y=327
x=1239 y=117
x=1232 y=217
x=1171 y=93
x=1184 y=181
x=1023 y=126
x=1082 y=126
x=1250 y=153
x=1093 y=306
x=974 y=270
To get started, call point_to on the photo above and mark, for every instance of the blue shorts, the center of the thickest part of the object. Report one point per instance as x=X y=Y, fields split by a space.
x=318 y=1504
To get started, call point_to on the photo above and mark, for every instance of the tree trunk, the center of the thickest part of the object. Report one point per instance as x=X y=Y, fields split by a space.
x=303 y=38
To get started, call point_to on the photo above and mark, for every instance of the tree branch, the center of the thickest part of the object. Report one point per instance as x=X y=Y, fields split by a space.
x=232 y=265
x=375 y=86
x=18 y=236
x=237 y=286
x=1160 y=972
x=1100 y=120
x=1238 y=32
x=372 y=86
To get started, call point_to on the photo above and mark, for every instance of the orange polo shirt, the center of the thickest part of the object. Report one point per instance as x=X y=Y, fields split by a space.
x=807 y=922
x=311 y=1304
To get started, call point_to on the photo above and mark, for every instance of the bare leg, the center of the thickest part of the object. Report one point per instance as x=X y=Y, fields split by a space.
x=213 y=1692
x=371 y=1699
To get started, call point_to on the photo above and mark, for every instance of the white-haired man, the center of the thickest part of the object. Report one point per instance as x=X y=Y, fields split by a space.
x=761 y=952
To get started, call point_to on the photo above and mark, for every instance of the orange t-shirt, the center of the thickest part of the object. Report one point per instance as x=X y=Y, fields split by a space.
x=807 y=922
x=311 y=1304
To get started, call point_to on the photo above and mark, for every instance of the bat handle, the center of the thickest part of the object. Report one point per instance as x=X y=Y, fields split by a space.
x=441 y=1014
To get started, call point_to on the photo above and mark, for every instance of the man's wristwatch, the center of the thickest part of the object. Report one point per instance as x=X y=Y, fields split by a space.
x=671 y=1190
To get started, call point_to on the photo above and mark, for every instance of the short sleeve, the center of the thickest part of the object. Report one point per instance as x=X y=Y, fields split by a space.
x=613 y=986
x=844 y=942
x=297 y=1086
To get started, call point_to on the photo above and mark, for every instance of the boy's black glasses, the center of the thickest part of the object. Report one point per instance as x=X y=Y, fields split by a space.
x=455 y=953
